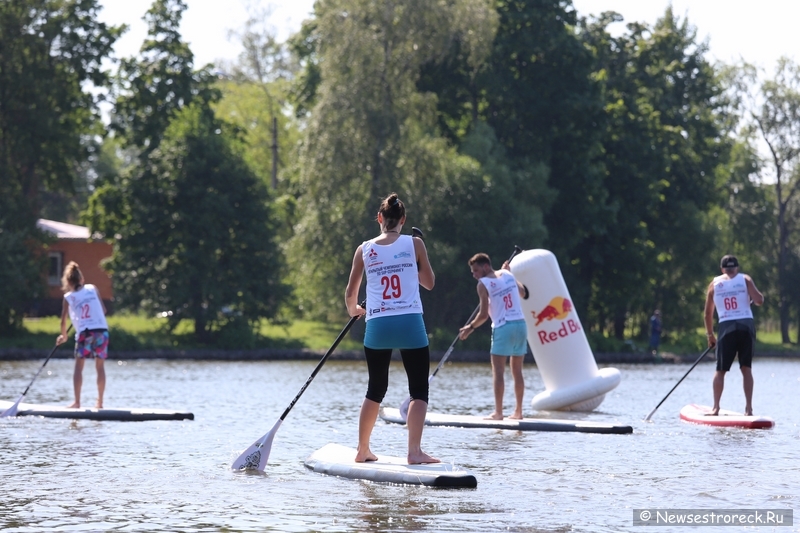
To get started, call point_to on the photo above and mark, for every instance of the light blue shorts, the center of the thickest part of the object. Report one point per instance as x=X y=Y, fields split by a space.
x=510 y=339
x=396 y=332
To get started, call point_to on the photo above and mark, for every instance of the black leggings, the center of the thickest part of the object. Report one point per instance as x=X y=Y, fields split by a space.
x=417 y=363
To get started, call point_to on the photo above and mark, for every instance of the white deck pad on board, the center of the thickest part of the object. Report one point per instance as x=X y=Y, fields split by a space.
x=122 y=414
x=701 y=414
x=337 y=460
x=390 y=414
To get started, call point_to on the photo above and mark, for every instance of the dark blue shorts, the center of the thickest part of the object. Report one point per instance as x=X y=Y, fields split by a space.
x=737 y=343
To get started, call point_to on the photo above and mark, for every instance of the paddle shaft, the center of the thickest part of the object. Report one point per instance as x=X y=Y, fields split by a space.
x=12 y=411
x=679 y=382
x=43 y=364
x=452 y=345
x=322 y=361
x=404 y=406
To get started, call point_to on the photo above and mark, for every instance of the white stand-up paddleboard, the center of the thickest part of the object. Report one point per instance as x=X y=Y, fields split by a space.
x=122 y=414
x=701 y=414
x=337 y=460
x=526 y=424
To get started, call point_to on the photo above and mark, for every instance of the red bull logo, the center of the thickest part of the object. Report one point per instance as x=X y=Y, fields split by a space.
x=558 y=309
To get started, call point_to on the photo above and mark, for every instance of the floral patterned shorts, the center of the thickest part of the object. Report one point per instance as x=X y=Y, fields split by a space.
x=92 y=343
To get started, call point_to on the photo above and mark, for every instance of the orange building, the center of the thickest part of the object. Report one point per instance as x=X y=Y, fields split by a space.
x=74 y=244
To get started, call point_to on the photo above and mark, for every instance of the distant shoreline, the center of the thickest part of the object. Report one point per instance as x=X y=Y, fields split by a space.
x=268 y=354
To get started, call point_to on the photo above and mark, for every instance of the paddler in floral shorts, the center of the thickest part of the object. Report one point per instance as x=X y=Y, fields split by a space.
x=87 y=312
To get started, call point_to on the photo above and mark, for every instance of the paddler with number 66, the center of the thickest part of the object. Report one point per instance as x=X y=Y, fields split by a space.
x=730 y=294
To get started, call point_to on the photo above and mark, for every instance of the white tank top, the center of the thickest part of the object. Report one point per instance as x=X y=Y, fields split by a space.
x=392 y=278
x=85 y=309
x=504 y=304
x=731 y=298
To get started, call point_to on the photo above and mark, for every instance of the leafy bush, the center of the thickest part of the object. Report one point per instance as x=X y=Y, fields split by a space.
x=691 y=342
x=119 y=339
x=602 y=344
x=236 y=334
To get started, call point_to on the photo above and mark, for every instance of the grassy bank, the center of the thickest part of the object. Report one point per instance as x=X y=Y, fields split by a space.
x=138 y=332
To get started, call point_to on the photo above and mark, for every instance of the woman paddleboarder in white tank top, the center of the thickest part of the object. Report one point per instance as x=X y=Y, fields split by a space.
x=395 y=265
x=85 y=308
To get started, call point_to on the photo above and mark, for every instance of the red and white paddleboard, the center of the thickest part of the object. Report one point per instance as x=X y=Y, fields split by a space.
x=701 y=414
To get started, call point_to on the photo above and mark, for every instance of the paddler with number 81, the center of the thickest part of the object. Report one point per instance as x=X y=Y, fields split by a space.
x=499 y=293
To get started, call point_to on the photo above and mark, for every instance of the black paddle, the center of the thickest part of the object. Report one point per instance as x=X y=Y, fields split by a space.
x=407 y=402
x=12 y=411
x=647 y=418
x=255 y=457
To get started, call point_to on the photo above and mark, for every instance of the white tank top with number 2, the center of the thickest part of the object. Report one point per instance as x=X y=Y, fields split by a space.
x=392 y=278
x=85 y=309
x=731 y=298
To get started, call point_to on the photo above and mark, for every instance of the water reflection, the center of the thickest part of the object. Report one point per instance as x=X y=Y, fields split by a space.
x=175 y=476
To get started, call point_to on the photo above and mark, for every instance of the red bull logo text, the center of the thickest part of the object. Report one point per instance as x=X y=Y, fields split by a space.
x=558 y=309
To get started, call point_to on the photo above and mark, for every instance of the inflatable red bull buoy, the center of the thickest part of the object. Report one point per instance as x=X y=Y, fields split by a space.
x=566 y=363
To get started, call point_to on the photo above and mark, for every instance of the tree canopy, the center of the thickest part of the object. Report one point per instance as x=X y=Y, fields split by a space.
x=50 y=51
x=225 y=188
x=194 y=233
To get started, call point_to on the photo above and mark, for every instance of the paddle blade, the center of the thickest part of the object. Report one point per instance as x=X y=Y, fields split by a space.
x=404 y=408
x=255 y=457
x=11 y=411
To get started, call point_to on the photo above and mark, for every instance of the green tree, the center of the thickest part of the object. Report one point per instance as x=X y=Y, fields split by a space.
x=255 y=91
x=51 y=52
x=663 y=142
x=303 y=46
x=21 y=268
x=490 y=204
x=198 y=237
x=194 y=231
x=160 y=82
x=545 y=107
x=370 y=131
x=273 y=158
x=536 y=93
x=257 y=94
x=747 y=220
x=777 y=119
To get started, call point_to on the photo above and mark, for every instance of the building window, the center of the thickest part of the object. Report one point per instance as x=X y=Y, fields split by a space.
x=55 y=268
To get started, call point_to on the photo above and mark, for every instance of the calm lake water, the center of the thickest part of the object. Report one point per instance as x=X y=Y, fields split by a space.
x=62 y=475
